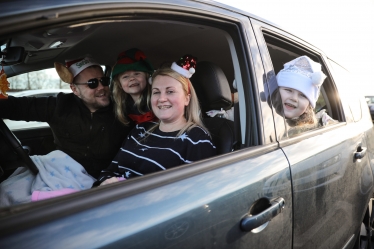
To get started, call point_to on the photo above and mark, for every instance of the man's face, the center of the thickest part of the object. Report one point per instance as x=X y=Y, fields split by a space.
x=96 y=98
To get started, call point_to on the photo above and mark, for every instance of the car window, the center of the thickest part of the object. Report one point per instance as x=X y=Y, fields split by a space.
x=42 y=83
x=349 y=93
x=229 y=130
x=42 y=79
x=369 y=99
x=227 y=125
x=326 y=107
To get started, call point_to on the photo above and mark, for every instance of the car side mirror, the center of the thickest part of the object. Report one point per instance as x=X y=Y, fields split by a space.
x=12 y=55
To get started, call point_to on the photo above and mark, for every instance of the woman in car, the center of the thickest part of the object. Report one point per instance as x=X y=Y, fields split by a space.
x=179 y=137
x=295 y=91
x=130 y=87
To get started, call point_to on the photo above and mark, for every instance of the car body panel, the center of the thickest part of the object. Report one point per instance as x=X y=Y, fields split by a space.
x=321 y=175
x=211 y=204
x=323 y=168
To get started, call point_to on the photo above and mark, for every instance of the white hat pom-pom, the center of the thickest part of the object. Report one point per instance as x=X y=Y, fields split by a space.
x=318 y=78
x=150 y=80
x=191 y=70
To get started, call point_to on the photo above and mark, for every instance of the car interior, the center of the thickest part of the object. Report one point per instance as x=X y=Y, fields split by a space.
x=163 y=38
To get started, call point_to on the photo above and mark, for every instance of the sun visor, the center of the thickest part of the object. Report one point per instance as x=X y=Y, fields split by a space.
x=33 y=57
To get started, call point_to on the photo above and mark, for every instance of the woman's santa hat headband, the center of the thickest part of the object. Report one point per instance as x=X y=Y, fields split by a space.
x=185 y=66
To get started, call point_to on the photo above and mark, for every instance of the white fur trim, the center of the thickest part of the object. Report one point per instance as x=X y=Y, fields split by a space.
x=79 y=66
x=318 y=78
x=301 y=83
x=181 y=70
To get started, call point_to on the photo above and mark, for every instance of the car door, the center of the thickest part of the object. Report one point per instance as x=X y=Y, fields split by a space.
x=331 y=185
x=241 y=199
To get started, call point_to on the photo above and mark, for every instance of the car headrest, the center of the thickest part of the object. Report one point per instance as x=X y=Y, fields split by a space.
x=212 y=87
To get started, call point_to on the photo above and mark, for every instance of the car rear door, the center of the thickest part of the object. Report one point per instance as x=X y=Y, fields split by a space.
x=331 y=185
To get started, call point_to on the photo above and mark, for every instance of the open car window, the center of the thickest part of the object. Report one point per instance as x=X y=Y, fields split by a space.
x=327 y=109
x=104 y=39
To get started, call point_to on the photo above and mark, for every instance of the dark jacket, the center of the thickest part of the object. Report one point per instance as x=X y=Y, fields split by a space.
x=92 y=139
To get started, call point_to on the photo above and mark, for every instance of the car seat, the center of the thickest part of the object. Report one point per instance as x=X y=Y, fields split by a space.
x=213 y=92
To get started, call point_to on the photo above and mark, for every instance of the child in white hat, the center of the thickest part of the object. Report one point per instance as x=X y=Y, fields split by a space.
x=298 y=85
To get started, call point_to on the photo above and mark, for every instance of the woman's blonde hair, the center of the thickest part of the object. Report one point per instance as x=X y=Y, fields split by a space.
x=192 y=110
x=121 y=99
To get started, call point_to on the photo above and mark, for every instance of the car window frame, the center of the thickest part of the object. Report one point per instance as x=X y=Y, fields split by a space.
x=237 y=26
x=261 y=30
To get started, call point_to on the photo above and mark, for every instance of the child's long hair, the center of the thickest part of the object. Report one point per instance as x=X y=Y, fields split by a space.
x=122 y=99
x=308 y=118
x=192 y=110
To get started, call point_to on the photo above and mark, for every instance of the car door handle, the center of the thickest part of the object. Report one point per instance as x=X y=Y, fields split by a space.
x=361 y=152
x=250 y=222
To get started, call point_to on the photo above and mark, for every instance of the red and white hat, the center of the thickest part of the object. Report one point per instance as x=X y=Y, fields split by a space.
x=76 y=66
x=185 y=66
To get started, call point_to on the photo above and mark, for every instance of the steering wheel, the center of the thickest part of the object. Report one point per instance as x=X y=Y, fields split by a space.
x=13 y=141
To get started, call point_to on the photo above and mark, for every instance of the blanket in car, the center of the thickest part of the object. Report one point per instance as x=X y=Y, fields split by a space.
x=57 y=171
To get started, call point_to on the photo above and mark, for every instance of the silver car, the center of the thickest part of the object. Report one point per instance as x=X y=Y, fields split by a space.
x=267 y=188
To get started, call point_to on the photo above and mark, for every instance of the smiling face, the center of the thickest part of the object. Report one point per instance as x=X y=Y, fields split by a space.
x=168 y=101
x=96 y=98
x=294 y=102
x=133 y=83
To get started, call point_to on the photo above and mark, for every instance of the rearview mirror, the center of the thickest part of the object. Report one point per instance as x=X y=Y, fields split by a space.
x=12 y=55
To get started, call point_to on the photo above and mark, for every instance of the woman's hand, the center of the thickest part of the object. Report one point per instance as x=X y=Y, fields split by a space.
x=110 y=180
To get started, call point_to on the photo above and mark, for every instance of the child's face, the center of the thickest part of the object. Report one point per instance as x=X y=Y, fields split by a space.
x=133 y=83
x=294 y=102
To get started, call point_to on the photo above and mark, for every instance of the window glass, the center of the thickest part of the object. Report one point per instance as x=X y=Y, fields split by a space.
x=43 y=83
x=42 y=79
x=350 y=94
x=298 y=90
x=369 y=99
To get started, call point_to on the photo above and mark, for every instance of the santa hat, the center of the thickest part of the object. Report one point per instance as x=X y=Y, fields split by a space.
x=132 y=60
x=73 y=67
x=185 y=66
x=76 y=66
x=304 y=75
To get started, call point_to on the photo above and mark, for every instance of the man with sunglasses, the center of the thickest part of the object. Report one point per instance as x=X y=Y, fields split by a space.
x=83 y=122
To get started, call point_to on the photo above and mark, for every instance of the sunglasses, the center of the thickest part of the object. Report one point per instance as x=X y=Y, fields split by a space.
x=93 y=83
